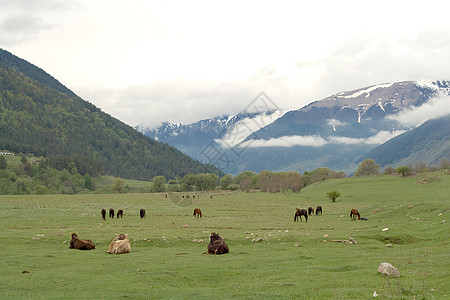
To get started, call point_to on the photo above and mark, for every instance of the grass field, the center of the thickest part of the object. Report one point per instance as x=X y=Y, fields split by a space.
x=294 y=260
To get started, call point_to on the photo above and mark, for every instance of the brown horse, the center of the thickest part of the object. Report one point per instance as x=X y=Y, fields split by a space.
x=111 y=213
x=353 y=213
x=310 y=211
x=142 y=213
x=103 y=213
x=120 y=213
x=318 y=209
x=299 y=213
x=217 y=245
x=197 y=212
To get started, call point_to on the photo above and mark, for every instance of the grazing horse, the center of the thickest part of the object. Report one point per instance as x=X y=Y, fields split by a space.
x=217 y=245
x=111 y=213
x=142 y=213
x=318 y=210
x=353 y=213
x=119 y=213
x=77 y=243
x=103 y=213
x=310 y=211
x=197 y=212
x=299 y=213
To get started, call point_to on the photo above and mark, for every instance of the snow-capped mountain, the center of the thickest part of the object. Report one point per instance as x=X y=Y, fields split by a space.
x=331 y=132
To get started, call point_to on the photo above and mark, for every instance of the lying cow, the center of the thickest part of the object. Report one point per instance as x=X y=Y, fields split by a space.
x=217 y=245
x=77 y=243
x=119 y=245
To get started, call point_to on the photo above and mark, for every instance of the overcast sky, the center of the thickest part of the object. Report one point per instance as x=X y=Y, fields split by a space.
x=182 y=61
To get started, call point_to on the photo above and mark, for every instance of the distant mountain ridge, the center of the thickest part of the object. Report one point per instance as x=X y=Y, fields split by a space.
x=39 y=115
x=333 y=132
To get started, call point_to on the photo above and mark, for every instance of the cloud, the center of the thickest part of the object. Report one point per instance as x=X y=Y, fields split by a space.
x=318 y=141
x=433 y=109
x=21 y=27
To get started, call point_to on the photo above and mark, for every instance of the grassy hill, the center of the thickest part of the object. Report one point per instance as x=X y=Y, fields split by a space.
x=293 y=260
x=41 y=116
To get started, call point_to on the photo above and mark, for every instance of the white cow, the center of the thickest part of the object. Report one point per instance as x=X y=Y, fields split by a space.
x=119 y=245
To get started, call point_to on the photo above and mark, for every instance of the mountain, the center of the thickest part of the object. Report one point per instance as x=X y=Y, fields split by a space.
x=333 y=132
x=428 y=143
x=40 y=115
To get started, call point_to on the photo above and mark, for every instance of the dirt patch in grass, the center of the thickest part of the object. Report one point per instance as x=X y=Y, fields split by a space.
x=399 y=239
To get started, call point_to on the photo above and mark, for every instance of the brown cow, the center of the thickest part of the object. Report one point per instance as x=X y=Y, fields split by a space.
x=119 y=245
x=299 y=213
x=217 y=245
x=119 y=213
x=318 y=210
x=197 y=212
x=77 y=243
x=103 y=213
x=310 y=211
x=353 y=213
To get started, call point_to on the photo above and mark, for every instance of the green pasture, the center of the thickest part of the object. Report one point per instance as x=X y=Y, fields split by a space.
x=294 y=260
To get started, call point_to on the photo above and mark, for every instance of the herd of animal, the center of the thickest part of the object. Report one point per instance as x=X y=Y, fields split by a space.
x=121 y=244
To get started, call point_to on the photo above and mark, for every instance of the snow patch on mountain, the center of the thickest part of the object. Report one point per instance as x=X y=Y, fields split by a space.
x=242 y=129
x=368 y=90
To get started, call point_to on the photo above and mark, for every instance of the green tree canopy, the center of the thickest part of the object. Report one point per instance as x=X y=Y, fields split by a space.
x=333 y=195
x=368 y=167
x=159 y=184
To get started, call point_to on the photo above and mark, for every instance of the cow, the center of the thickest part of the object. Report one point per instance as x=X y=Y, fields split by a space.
x=119 y=245
x=119 y=213
x=197 y=212
x=299 y=213
x=318 y=210
x=111 y=213
x=103 y=213
x=217 y=245
x=142 y=213
x=353 y=213
x=77 y=243
x=310 y=211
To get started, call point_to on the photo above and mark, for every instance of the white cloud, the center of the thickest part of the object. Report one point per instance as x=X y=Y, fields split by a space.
x=318 y=141
x=433 y=109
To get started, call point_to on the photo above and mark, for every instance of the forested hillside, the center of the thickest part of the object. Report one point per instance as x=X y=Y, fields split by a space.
x=41 y=116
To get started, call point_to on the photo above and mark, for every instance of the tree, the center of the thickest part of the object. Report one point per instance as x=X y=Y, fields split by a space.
x=226 y=181
x=118 y=186
x=404 y=170
x=368 y=167
x=3 y=162
x=333 y=195
x=159 y=184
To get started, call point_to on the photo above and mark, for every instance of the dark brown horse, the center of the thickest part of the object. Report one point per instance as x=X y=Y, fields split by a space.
x=197 y=212
x=142 y=213
x=103 y=213
x=111 y=213
x=318 y=210
x=299 y=213
x=119 y=213
x=310 y=211
x=217 y=245
x=353 y=213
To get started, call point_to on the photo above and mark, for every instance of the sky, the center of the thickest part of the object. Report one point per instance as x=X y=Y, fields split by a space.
x=148 y=62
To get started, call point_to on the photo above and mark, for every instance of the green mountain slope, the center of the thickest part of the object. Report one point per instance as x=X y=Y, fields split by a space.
x=39 y=115
x=429 y=143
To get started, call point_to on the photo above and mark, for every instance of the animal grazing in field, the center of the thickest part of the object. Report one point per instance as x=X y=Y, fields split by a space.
x=217 y=245
x=111 y=213
x=197 y=212
x=77 y=243
x=142 y=213
x=103 y=213
x=318 y=210
x=299 y=213
x=119 y=245
x=119 y=213
x=310 y=211
x=353 y=213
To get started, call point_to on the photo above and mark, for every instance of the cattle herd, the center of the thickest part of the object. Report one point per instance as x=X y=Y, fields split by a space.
x=121 y=244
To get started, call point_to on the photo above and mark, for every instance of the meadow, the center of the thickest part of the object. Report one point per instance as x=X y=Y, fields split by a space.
x=293 y=260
